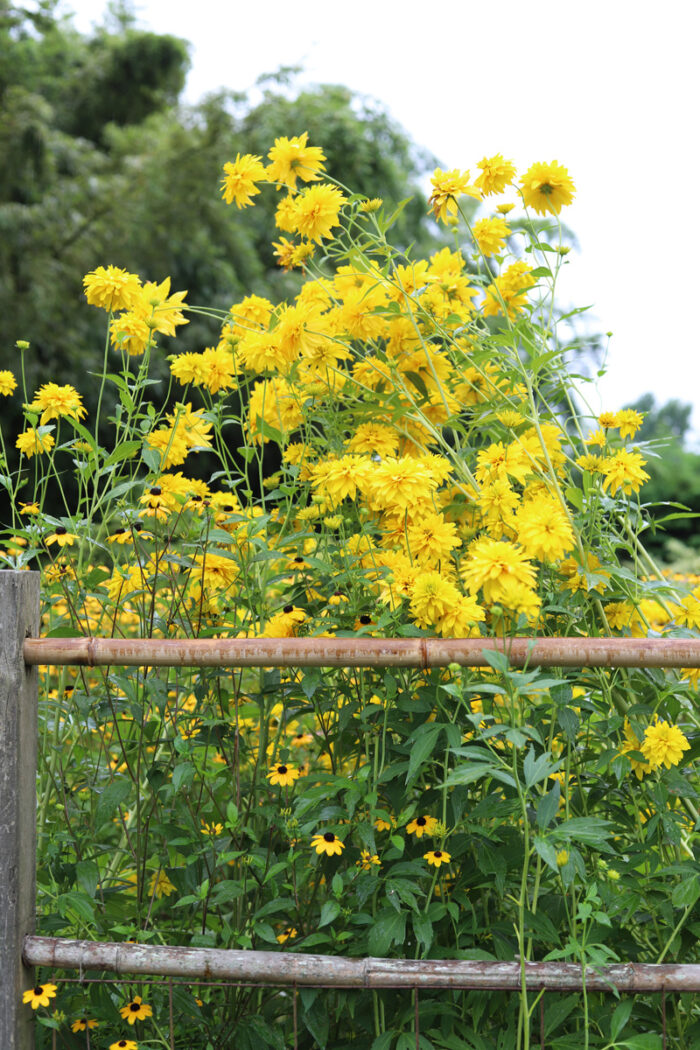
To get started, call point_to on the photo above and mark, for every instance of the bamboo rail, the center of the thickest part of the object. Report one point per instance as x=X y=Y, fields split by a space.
x=292 y=968
x=362 y=652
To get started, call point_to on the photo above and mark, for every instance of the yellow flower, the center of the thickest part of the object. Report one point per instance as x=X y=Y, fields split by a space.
x=509 y=291
x=547 y=188
x=623 y=470
x=8 y=383
x=327 y=843
x=543 y=529
x=490 y=235
x=111 y=288
x=55 y=402
x=422 y=826
x=83 y=1023
x=382 y=825
x=371 y=205
x=633 y=744
x=124 y=1044
x=367 y=860
x=239 y=185
x=29 y=508
x=663 y=745
x=40 y=995
x=136 y=1010
x=492 y=565
x=316 y=211
x=436 y=857
x=160 y=885
x=287 y=934
x=62 y=537
x=284 y=775
x=447 y=186
x=562 y=858
x=496 y=174
x=292 y=159
x=211 y=829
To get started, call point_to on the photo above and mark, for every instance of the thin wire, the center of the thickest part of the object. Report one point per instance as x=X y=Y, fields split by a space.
x=295 y=1018
x=542 y=1019
x=172 y=1018
x=416 y=1017
x=663 y=1017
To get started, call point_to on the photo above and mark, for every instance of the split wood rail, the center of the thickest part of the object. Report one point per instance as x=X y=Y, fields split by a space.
x=21 y=650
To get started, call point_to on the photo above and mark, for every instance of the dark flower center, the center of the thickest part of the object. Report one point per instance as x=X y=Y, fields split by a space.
x=120 y=531
x=437 y=853
x=421 y=822
x=135 y=1007
x=282 y=770
x=288 y=608
x=138 y=525
x=298 y=558
x=364 y=620
x=38 y=990
x=329 y=837
x=61 y=530
x=156 y=490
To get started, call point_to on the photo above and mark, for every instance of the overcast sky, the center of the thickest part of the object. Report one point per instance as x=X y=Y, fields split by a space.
x=609 y=89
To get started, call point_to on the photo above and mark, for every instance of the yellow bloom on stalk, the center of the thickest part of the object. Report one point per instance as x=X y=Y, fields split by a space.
x=436 y=857
x=623 y=471
x=374 y=438
x=631 y=744
x=547 y=188
x=543 y=529
x=124 y=1044
x=111 y=288
x=368 y=860
x=283 y=774
x=33 y=442
x=447 y=186
x=160 y=885
x=136 y=1010
x=509 y=291
x=292 y=159
x=8 y=383
x=277 y=404
x=327 y=843
x=284 y=624
x=57 y=402
x=241 y=178
x=432 y=596
x=40 y=995
x=459 y=620
x=430 y=538
x=687 y=612
x=496 y=174
x=161 y=311
x=339 y=479
x=664 y=744
x=629 y=421
x=62 y=537
x=422 y=826
x=493 y=566
x=316 y=211
x=83 y=1024
x=490 y=235
x=130 y=332
x=576 y=573
x=401 y=483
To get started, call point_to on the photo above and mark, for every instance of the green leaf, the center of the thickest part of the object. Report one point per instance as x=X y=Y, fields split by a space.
x=329 y=912
x=383 y=1041
x=548 y=806
x=646 y=1041
x=423 y=931
x=183 y=774
x=686 y=892
x=422 y=745
x=537 y=769
x=390 y=928
x=113 y=796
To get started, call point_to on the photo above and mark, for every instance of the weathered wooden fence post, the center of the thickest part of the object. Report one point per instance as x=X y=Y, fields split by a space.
x=19 y=617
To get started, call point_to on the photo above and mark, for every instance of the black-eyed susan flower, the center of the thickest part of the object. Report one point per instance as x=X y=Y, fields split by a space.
x=436 y=857
x=368 y=860
x=83 y=1023
x=289 y=933
x=422 y=826
x=40 y=995
x=327 y=843
x=62 y=537
x=124 y=1044
x=136 y=1010
x=283 y=774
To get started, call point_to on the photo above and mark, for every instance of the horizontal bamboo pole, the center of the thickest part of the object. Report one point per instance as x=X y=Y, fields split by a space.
x=362 y=652
x=289 y=968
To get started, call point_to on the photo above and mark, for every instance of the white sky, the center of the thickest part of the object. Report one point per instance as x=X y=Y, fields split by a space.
x=605 y=87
